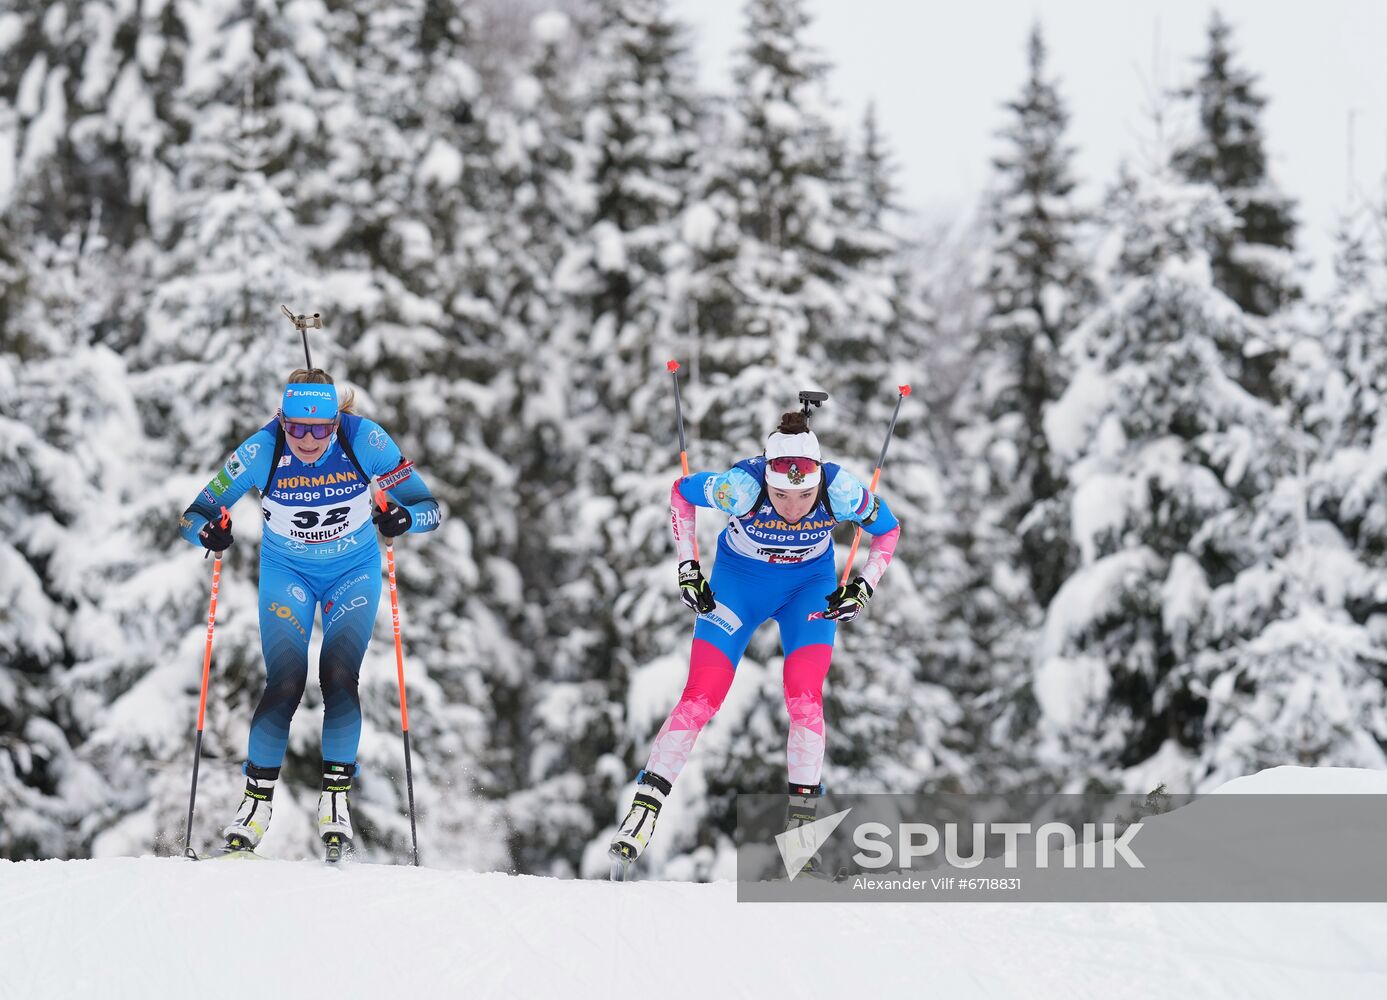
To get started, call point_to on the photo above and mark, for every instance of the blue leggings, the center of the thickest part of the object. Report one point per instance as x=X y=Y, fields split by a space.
x=290 y=592
x=750 y=592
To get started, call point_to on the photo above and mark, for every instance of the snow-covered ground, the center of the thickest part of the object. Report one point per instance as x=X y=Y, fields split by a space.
x=152 y=928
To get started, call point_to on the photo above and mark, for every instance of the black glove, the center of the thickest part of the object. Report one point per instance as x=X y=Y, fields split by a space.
x=214 y=537
x=393 y=520
x=847 y=602
x=693 y=589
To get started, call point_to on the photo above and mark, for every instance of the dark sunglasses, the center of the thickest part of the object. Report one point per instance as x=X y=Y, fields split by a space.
x=319 y=431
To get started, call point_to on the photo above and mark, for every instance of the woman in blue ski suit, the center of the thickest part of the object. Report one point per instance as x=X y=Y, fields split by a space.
x=775 y=560
x=312 y=465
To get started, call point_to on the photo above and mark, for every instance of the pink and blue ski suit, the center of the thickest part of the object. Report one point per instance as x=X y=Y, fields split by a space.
x=767 y=568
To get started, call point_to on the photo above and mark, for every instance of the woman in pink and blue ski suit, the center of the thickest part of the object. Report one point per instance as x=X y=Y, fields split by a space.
x=775 y=560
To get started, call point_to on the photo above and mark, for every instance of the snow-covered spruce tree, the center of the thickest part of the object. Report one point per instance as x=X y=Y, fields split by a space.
x=1034 y=290
x=873 y=175
x=407 y=249
x=1288 y=671
x=1337 y=381
x=883 y=305
x=1168 y=458
x=763 y=293
x=1253 y=262
x=212 y=361
x=72 y=454
x=640 y=136
x=1292 y=667
x=537 y=196
x=610 y=601
x=93 y=87
x=895 y=721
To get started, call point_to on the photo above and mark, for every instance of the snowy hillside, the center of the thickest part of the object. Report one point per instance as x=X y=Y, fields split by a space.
x=154 y=928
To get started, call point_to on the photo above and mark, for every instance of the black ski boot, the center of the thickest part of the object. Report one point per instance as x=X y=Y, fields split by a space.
x=802 y=809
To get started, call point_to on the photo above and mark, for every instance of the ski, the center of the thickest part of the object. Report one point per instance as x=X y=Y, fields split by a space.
x=235 y=848
x=342 y=860
x=228 y=853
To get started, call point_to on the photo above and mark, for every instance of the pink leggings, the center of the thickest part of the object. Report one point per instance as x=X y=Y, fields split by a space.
x=710 y=677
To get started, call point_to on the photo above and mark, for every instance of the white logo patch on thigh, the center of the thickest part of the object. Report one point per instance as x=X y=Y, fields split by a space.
x=724 y=618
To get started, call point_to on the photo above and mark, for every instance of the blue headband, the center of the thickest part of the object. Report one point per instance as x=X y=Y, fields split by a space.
x=309 y=400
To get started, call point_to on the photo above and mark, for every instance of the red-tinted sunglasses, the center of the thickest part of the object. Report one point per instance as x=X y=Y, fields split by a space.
x=319 y=431
x=791 y=466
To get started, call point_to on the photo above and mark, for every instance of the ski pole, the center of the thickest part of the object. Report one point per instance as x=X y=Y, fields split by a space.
x=381 y=498
x=876 y=478
x=202 y=699
x=673 y=368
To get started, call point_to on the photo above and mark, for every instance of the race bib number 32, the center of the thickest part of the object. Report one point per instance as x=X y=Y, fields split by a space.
x=325 y=523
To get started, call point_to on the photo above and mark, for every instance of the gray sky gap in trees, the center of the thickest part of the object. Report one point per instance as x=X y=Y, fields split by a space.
x=939 y=73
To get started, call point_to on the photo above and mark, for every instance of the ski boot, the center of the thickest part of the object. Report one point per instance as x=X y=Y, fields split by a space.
x=253 y=817
x=334 y=812
x=639 y=825
x=802 y=809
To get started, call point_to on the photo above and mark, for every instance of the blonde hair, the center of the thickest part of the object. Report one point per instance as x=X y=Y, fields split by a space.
x=316 y=376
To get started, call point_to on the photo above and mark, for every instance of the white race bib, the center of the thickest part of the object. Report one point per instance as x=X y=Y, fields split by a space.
x=316 y=523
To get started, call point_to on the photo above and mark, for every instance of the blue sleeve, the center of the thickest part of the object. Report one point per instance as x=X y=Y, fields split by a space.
x=249 y=465
x=851 y=501
x=733 y=492
x=380 y=456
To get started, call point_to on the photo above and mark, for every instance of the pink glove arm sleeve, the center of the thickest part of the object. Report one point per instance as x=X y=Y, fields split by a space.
x=682 y=522
x=879 y=556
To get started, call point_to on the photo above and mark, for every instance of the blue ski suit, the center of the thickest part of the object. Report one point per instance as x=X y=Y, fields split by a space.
x=319 y=548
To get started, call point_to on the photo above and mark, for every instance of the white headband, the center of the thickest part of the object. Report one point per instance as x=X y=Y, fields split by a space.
x=804 y=445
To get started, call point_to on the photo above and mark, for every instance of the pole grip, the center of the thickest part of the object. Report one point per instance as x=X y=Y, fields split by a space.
x=673 y=368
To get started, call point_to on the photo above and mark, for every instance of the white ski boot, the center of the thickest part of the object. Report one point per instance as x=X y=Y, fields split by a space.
x=334 y=812
x=253 y=816
x=639 y=825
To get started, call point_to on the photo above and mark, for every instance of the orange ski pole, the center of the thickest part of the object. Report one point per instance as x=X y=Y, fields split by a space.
x=876 y=478
x=381 y=500
x=202 y=699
